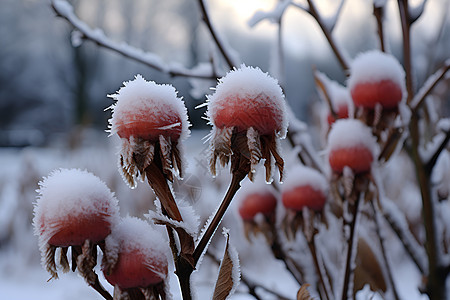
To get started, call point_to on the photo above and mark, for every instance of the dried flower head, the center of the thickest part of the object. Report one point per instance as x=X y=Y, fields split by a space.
x=74 y=208
x=135 y=259
x=248 y=114
x=150 y=120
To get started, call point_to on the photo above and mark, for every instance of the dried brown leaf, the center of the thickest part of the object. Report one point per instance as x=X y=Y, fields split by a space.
x=225 y=283
x=303 y=293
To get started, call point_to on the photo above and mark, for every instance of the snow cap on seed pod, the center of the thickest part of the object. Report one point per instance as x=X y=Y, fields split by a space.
x=73 y=207
x=257 y=198
x=352 y=144
x=376 y=78
x=304 y=187
x=150 y=120
x=256 y=206
x=248 y=114
x=341 y=102
x=136 y=258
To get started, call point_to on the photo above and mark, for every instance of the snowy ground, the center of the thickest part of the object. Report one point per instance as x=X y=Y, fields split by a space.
x=23 y=278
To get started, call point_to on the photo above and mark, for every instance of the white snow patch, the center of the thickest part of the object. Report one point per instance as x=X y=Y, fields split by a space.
x=347 y=133
x=374 y=66
x=138 y=97
x=248 y=83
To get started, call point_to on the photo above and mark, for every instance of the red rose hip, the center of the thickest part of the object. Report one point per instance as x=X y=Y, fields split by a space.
x=304 y=187
x=135 y=255
x=351 y=144
x=376 y=78
x=257 y=203
x=73 y=206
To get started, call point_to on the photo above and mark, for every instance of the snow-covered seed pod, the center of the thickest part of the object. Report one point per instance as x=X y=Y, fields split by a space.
x=376 y=78
x=351 y=144
x=135 y=257
x=248 y=114
x=263 y=202
x=341 y=101
x=150 y=120
x=73 y=207
x=304 y=187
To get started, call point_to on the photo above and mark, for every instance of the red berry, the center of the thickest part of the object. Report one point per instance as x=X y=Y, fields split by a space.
x=304 y=187
x=135 y=255
x=147 y=110
x=137 y=269
x=74 y=206
x=385 y=92
x=74 y=230
x=357 y=158
x=247 y=97
x=147 y=126
x=255 y=203
x=342 y=113
x=376 y=78
x=351 y=143
x=304 y=196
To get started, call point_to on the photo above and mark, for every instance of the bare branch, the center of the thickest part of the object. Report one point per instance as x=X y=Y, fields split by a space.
x=429 y=85
x=64 y=10
x=406 y=25
x=378 y=12
x=341 y=57
x=219 y=42
x=432 y=162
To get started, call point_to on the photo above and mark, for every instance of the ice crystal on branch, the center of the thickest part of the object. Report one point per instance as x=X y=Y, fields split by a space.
x=248 y=114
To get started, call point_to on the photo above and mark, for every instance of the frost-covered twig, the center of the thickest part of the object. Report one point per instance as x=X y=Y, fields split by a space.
x=352 y=236
x=224 y=50
x=399 y=226
x=382 y=240
x=327 y=28
x=65 y=10
x=432 y=161
x=429 y=85
x=325 y=286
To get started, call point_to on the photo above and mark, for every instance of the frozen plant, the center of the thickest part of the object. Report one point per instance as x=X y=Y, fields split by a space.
x=341 y=230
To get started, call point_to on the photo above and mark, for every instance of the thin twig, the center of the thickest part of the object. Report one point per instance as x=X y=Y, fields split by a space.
x=312 y=248
x=376 y=213
x=429 y=85
x=432 y=162
x=339 y=55
x=406 y=25
x=219 y=43
x=378 y=12
x=350 y=253
x=146 y=58
x=407 y=243
x=237 y=177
